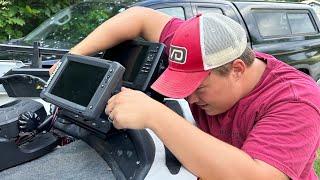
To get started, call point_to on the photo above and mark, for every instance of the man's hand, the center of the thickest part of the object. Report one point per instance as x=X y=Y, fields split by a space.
x=53 y=67
x=132 y=109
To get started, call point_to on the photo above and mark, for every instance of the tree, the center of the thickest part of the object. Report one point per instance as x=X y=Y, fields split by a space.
x=19 y=17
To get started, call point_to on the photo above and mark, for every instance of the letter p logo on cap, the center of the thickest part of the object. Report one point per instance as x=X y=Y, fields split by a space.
x=178 y=54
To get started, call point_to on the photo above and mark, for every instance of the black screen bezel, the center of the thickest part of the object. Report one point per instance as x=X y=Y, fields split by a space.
x=92 y=111
x=142 y=80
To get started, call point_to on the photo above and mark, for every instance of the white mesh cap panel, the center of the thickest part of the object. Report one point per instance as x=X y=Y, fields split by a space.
x=222 y=40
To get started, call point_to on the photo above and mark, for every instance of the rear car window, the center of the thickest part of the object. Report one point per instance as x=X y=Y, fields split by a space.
x=177 y=12
x=208 y=10
x=300 y=23
x=273 y=23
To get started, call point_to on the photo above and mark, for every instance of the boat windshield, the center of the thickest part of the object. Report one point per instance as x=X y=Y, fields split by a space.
x=71 y=25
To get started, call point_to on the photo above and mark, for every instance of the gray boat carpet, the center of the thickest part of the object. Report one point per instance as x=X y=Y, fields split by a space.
x=76 y=160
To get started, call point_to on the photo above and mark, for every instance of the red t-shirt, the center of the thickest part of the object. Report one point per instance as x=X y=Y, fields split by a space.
x=278 y=122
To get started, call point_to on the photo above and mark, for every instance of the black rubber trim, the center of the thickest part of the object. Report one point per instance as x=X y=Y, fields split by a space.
x=172 y=163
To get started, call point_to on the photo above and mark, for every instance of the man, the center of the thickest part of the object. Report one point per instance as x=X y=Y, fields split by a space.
x=257 y=117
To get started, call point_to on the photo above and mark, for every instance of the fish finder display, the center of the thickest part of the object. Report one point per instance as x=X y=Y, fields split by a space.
x=129 y=57
x=81 y=87
x=140 y=58
x=88 y=78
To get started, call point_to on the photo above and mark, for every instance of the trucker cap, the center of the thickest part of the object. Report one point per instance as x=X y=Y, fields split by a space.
x=198 y=45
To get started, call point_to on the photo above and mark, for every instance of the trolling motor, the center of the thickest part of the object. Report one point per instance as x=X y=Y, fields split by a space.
x=24 y=135
x=31 y=121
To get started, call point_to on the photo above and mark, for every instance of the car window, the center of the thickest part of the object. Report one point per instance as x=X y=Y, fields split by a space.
x=283 y=23
x=206 y=10
x=177 y=12
x=272 y=24
x=295 y=21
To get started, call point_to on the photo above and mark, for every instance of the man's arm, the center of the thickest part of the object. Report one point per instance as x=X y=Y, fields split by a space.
x=204 y=155
x=132 y=23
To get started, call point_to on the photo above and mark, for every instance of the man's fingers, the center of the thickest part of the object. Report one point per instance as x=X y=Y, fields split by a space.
x=125 y=89
x=117 y=121
x=113 y=119
x=53 y=67
x=109 y=108
x=111 y=99
x=110 y=114
x=116 y=125
x=110 y=104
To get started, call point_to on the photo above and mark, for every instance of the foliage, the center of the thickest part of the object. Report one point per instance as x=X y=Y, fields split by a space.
x=18 y=17
x=71 y=25
x=317 y=164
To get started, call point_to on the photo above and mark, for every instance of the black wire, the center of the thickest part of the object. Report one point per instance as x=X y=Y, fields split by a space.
x=25 y=138
x=45 y=122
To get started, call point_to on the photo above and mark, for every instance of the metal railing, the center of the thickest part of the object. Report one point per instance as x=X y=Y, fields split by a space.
x=35 y=50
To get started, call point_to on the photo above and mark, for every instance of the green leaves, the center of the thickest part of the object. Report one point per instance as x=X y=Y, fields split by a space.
x=19 y=17
x=16 y=21
x=31 y=11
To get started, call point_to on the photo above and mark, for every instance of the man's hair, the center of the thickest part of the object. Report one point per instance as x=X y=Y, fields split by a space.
x=247 y=57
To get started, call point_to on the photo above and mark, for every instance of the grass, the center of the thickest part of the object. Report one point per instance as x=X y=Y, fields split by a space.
x=317 y=164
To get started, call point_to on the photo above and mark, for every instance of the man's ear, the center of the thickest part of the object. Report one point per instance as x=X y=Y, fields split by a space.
x=238 y=68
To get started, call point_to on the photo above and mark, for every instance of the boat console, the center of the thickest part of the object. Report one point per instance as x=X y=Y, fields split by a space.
x=78 y=91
